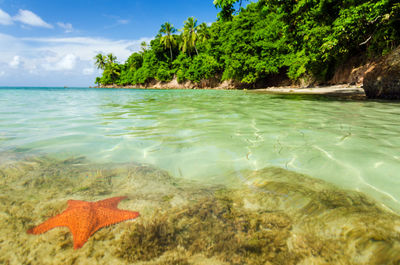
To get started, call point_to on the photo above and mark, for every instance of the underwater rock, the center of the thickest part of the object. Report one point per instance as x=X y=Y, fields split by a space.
x=275 y=217
x=280 y=218
x=212 y=227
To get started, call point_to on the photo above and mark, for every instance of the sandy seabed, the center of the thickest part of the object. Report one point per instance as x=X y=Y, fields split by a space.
x=274 y=217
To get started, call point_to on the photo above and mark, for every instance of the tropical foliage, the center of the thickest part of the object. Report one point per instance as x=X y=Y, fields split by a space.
x=110 y=66
x=294 y=38
x=189 y=36
x=168 y=40
x=227 y=8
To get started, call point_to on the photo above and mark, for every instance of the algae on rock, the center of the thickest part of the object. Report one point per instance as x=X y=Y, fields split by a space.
x=275 y=217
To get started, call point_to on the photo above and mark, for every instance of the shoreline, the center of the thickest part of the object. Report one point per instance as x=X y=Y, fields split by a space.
x=338 y=90
x=316 y=90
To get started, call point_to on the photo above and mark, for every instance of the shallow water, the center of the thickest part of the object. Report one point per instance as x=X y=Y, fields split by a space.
x=208 y=135
x=216 y=176
x=281 y=218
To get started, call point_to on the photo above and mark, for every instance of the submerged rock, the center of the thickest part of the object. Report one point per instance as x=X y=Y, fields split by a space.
x=382 y=79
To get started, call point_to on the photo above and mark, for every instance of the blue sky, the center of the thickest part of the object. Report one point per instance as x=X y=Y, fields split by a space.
x=52 y=43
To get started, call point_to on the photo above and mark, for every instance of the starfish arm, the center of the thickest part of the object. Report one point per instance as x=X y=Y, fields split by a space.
x=79 y=239
x=106 y=217
x=75 y=203
x=111 y=202
x=82 y=228
x=56 y=221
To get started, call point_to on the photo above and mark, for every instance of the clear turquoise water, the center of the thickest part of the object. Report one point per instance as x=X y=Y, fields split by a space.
x=212 y=135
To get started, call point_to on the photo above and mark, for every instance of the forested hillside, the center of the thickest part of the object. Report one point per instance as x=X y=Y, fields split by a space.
x=296 y=39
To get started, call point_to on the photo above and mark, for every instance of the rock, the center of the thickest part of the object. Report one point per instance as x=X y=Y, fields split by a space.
x=382 y=79
x=352 y=72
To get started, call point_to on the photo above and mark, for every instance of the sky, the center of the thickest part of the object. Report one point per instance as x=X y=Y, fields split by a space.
x=53 y=42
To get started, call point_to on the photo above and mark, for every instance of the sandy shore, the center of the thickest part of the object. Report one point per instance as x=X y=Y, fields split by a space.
x=332 y=90
x=345 y=90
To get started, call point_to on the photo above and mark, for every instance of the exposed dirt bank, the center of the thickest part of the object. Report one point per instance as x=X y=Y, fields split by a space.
x=382 y=80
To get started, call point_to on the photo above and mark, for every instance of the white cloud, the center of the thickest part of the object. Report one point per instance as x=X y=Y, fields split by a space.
x=15 y=62
x=68 y=62
x=66 y=26
x=88 y=71
x=86 y=48
x=70 y=40
x=46 y=53
x=118 y=21
x=123 y=21
x=65 y=62
x=29 y=18
x=31 y=68
x=5 y=19
x=2 y=73
x=57 y=61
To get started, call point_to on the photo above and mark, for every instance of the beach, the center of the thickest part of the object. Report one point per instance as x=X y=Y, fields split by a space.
x=321 y=90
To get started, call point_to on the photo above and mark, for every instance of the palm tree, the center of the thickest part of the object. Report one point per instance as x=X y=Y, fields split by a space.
x=109 y=65
x=189 y=35
x=168 y=40
x=203 y=32
x=111 y=59
x=143 y=47
x=100 y=61
x=112 y=70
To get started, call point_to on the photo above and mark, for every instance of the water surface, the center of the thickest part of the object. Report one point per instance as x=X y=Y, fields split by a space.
x=210 y=135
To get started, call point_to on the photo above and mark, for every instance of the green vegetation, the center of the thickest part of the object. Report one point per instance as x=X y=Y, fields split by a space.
x=296 y=39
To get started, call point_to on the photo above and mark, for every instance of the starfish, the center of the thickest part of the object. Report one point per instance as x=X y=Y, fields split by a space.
x=84 y=218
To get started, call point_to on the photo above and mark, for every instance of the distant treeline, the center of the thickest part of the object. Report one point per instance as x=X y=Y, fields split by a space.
x=295 y=38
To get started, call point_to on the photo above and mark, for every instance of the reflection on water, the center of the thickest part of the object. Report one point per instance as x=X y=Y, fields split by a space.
x=275 y=217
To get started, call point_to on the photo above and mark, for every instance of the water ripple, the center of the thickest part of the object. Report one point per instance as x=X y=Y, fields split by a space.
x=205 y=134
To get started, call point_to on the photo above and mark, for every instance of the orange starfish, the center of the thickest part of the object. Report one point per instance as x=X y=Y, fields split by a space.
x=84 y=218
